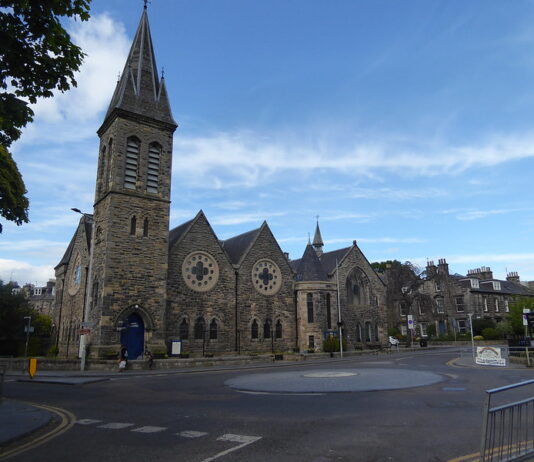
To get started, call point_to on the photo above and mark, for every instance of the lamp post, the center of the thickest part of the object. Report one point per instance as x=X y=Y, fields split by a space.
x=88 y=287
x=339 y=322
x=28 y=326
x=472 y=339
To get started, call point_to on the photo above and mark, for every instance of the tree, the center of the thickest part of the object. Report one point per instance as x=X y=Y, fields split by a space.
x=37 y=56
x=13 y=202
x=515 y=316
x=13 y=309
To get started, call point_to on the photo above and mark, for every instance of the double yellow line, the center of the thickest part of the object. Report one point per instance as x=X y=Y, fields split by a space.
x=67 y=420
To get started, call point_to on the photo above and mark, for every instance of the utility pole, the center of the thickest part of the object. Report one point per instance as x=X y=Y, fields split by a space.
x=472 y=339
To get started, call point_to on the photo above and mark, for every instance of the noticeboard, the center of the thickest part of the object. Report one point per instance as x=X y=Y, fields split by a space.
x=176 y=347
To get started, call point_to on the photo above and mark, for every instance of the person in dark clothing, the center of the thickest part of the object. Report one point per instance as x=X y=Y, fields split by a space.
x=123 y=359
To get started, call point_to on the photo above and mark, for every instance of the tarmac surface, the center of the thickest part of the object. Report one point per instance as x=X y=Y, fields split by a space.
x=19 y=419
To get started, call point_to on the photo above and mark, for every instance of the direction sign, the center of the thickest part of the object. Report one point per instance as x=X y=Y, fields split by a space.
x=32 y=329
x=87 y=324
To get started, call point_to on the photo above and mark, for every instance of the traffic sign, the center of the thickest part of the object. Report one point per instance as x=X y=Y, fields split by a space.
x=32 y=329
x=87 y=324
x=530 y=319
x=85 y=331
x=410 y=322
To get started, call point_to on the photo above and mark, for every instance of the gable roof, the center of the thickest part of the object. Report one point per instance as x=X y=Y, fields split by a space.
x=309 y=267
x=328 y=259
x=87 y=222
x=176 y=233
x=237 y=247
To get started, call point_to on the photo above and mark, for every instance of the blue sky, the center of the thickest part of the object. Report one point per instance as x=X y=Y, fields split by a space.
x=408 y=126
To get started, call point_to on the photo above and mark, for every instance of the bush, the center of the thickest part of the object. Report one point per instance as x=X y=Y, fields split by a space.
x=478 y=337
x=490 y=333
x=331 y=344
x=393 y=332
x=431 y=330
x=53 y=352
x=479 y=325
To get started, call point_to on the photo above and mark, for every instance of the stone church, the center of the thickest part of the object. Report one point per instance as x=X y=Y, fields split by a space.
x=125 y=279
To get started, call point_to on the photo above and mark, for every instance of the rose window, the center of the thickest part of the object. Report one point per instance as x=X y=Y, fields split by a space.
x=200 y=271
x=266 y=277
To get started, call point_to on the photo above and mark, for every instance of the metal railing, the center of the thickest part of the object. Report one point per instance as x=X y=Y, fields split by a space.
x=507 y=430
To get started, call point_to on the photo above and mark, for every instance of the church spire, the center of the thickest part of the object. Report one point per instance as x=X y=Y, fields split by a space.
x=318 y=240
x=139 y=90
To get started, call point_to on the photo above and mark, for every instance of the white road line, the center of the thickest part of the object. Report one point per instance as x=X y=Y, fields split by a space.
x=243 y=439
x=149 y=429
x=87 y=421
x=191 y=434
x=116 y=425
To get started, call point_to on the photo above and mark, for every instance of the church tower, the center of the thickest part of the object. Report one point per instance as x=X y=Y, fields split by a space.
x=129 y=248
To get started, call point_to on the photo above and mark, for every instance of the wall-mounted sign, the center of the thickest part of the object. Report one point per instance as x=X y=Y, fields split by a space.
x=490 y=356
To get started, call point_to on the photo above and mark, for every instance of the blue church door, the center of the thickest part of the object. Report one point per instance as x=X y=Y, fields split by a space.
x=133 y=337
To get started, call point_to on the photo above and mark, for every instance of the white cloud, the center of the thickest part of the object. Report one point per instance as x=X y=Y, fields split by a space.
x=12 y=270
x=237 y=219
x=72 y=115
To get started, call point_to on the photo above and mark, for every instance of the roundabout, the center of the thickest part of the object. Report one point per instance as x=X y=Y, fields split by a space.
x=334 y=381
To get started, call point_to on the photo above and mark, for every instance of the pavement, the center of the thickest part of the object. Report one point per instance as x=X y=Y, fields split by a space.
x=19 y=419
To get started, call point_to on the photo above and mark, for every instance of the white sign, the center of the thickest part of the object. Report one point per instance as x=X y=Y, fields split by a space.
x=176 y=347
x=525 y=320
x=410 y=322
x=490 y=356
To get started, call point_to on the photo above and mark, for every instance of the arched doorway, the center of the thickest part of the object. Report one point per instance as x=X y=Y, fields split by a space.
x=133 y=336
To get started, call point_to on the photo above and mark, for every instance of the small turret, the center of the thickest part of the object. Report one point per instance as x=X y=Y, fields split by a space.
x=318 y=241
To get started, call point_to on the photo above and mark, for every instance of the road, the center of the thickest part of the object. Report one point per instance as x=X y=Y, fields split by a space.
x=196 y=417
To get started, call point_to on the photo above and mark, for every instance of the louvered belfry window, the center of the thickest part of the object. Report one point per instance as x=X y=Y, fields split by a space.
x=152 y=177
x=132 y=163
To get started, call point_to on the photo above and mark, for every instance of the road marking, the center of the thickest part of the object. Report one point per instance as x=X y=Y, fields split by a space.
x=149 y=429
x=116 y=425
x=453 y=389
x=191 y=434
x=87 y=421
x=67 y=421
x=243 y=439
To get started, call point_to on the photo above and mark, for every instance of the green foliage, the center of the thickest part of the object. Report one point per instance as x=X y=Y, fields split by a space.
x=53 y=351
x=431 y=330
x=515 y=316
x=380 y=267
x=490 y=333
x=13 y=202
x=480 y=324
x=13 y=309
x=393 y=332
x=479 y=337
x=504 y=328
x=36 y=57
x=331 y=344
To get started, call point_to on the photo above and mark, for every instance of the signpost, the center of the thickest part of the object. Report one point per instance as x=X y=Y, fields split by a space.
x=410 y=322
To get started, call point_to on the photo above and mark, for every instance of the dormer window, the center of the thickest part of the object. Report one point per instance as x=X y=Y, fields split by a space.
x=496 y=285
x=475 y=284
x=438 y=286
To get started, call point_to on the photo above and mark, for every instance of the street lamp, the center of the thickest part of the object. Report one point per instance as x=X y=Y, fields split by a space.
x=29 y=318
x=472 y=339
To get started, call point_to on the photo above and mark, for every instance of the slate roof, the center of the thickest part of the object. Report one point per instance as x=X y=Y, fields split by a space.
x=139 y=89
x=507 y=287
x=328 y=259
x=87 y=222
x=176 y=233
x=317 y=238
x=237 y=246
x=309 y=267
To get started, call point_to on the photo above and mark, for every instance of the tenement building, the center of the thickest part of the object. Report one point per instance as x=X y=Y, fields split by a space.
x=125 y=279
x=447 y=300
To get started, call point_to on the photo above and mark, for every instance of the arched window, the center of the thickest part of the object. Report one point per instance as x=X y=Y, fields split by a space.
x=184 y=329
x=328 y=312
x=358 y=332
x=145 y=227
x=152 y=176
x=368 y=332
x=200 y=328
x=309 y=304
x=213 y=329
x=254 y=330
x=376 y=332
x=278 y=331
x=133 y=225
x=267 y=329
x=132 y=163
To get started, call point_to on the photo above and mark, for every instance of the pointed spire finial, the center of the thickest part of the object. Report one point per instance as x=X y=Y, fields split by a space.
x=309 y=239
x=162 y=72
x=318 y=239
x=146 y=1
